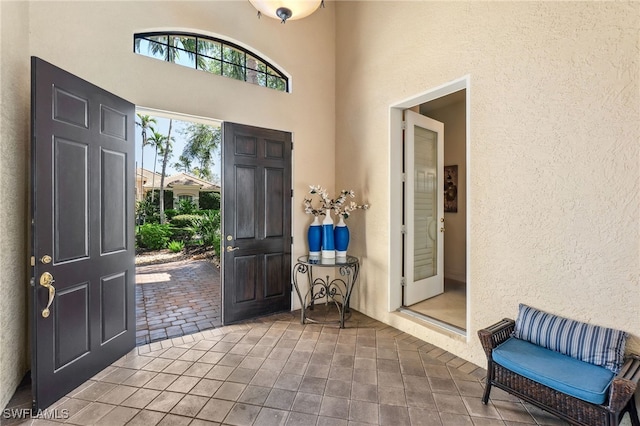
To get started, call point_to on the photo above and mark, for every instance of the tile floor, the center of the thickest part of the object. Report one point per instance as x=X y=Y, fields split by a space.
x=275 y=371
x=449 y=307
x=177 y=298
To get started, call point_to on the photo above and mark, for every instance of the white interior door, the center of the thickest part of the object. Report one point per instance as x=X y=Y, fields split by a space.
x=423 y=207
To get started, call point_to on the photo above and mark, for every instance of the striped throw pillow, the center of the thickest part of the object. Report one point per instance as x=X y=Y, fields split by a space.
x=590 y=343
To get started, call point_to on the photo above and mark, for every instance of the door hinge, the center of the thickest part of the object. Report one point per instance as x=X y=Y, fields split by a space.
x=292 y=193
x=404 y=125
x=33 y=261
x=403 y=229
x=403 y=282
x=404 y=177
x=291 y=145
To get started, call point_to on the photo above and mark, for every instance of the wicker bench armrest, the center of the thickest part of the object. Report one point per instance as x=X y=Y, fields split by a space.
x=625 y=383
x=495 y=334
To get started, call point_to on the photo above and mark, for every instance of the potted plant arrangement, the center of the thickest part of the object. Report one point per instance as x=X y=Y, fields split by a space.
x=325 y=240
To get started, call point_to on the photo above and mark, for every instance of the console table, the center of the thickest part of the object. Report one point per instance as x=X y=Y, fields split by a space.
x=337 y=290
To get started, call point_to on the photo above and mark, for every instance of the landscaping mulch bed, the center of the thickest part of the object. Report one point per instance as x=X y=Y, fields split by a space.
x=155 y=257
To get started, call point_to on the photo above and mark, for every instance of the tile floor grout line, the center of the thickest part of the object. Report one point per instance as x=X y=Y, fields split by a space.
x=274 y=368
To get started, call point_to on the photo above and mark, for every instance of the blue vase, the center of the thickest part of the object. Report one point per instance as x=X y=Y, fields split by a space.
x=328 y=248
x=314 y=237
x=341 y=238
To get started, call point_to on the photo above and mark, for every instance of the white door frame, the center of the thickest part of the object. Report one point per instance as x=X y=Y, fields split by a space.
x=395 y=184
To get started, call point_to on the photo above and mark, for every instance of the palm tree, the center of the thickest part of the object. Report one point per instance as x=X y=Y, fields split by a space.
x=144 y=124
x=193 y=50
x=165 y=159
x=157 y=139
x=170 y=48
x=234 y=63
x=201 y=142
x=157 y=46
x=183 y=164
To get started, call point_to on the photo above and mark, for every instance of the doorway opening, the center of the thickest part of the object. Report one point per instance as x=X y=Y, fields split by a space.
x=418 y=228
x=178 y=285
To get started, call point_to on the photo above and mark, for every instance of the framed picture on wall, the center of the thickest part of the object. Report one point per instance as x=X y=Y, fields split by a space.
x=451 y=189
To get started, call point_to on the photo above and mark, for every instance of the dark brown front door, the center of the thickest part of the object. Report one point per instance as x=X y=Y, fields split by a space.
x=256 y=202
x=83 y=298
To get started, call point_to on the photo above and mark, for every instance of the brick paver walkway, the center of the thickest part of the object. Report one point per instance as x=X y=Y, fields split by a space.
x=175 y=299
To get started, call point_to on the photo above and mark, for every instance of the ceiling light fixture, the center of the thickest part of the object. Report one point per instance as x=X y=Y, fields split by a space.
x=286 y=9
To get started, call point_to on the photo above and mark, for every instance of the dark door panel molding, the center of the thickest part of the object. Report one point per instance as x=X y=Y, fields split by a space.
x=82 y=210
x=256 y=202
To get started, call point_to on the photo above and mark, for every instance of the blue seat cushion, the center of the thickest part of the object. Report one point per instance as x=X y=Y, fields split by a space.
x=558 y=371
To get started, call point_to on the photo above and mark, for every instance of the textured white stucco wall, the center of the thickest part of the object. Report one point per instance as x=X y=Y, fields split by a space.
x=94 y=40
x=554 y=173
x=14 y=190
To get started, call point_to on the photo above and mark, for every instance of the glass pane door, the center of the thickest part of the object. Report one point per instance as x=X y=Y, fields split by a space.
x=423 y=206
x=425 y=249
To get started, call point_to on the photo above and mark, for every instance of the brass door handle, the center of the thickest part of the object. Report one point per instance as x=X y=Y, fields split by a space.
x=46 y=281
x=230 y=249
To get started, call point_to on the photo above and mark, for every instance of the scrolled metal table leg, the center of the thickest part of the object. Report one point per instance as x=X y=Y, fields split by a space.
x=300 y=268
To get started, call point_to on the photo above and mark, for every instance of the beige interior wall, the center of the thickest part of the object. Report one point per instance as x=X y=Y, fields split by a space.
x=455 y=237
x=554 y=196
x=94 y=40
x=14 y=190
x=554 y=134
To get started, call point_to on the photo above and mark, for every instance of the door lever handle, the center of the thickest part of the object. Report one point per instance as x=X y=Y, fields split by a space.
x=230 y=249
x=46 y=281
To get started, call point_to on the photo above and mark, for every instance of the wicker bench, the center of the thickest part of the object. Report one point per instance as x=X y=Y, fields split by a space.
x=617 y=395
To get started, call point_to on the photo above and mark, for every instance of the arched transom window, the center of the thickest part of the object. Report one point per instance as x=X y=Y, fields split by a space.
x=210 y=54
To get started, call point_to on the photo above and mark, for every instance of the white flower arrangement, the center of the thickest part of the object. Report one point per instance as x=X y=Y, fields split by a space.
x=352 y=206
x=338 y=205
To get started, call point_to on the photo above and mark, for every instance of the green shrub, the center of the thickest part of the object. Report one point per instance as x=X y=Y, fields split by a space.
x=215 y=212
x=184 y=220
x=186 y=207
x=183 y=234
x=216 y=243
x=170 y=213
x=183 y=227
x=209 y=200
x=153 y=236
x=155 y=194
x=176 y=246
x=146 y=212
x=193 y=243
x=208 y=227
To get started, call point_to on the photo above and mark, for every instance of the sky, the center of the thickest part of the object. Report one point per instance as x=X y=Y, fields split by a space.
x=162 y=126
